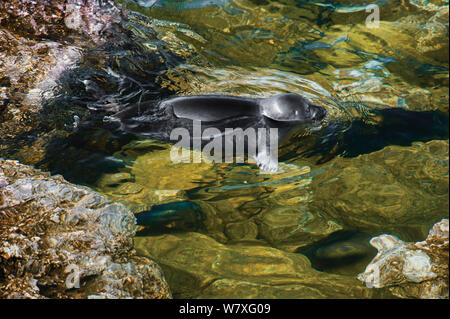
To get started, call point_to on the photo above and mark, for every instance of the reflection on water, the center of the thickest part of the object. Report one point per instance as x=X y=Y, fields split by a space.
x=313 y=49
x=300 y=233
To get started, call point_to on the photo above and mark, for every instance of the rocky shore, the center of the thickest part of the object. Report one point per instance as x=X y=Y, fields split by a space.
x=411 y=270
x=39 y=40
x=58 y=240
x=55 y=237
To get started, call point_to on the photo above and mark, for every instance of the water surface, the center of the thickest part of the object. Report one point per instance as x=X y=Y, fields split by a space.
x=303 y=232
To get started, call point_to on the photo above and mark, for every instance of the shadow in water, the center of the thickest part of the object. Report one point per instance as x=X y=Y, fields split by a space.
x=344 y=252
x=81 y=145
x=172 y=217
x=394 y=126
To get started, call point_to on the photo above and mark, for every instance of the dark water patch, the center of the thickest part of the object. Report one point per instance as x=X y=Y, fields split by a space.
x=85 y=156
x=382 y=128
x=173 y=217
x=344 y=252
x=79 y=144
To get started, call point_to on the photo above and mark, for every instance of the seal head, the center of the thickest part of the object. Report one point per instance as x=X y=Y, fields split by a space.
x=291 y=108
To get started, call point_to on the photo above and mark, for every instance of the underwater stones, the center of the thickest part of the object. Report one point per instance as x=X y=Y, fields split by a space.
x=266 y=209
x=155 y=170
x=107 y=180
x=52 y=232
x=411 y=270
x=342 y=252
x=32 y=68
x=383 y=190
x=289 y=228
x=417 y=35
x=240 y=231
x=275 y=204
x=128 y=188
x=196 y=265
x=39 y=41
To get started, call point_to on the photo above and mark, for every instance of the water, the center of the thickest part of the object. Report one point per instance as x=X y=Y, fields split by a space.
x=277 y=235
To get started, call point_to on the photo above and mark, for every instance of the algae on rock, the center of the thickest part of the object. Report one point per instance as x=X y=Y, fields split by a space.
x=411 y=270
x=51 y=231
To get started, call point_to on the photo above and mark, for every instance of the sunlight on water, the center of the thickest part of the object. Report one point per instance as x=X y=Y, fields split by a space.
x=302 y=232
x=253 y=227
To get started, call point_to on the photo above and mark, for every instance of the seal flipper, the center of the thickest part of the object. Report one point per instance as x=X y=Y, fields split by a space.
x=267 y=155
x=267 y=163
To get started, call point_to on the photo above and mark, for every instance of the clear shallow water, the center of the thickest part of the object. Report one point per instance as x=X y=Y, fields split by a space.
x=257 y=235
x=325 y=52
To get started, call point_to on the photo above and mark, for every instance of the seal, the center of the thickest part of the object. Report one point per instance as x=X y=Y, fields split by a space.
x=283 y=108
x=288 y=113
x=221 y=112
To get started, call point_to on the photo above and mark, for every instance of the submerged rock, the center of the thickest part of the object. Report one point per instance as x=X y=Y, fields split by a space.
x=411 y=270
x=29 y=70
x=343 y=252
x=237 y=203
x=198 y=266
x=39 y=41
x=56 y=237
x=397 y=189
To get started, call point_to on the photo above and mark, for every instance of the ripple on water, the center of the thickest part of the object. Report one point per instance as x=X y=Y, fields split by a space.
x=252 y=223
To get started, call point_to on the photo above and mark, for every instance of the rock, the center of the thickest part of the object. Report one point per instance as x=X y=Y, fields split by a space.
x=275 y=204
x=343 y=252
x=55 y=18
x=252 y=207
x=384 y=191
x=197 y=266
x=290 y=228
x=55 y=235
x=246 y=230
x=411 y=270
x=39 y=41
x=165 y=174
x=32 y=69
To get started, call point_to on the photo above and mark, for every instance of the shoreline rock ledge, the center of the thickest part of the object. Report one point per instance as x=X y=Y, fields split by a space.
x=55 y=237
x=411 y=270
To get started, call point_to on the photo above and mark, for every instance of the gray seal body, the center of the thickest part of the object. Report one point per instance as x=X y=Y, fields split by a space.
x=219 y=113
x=284 y=108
